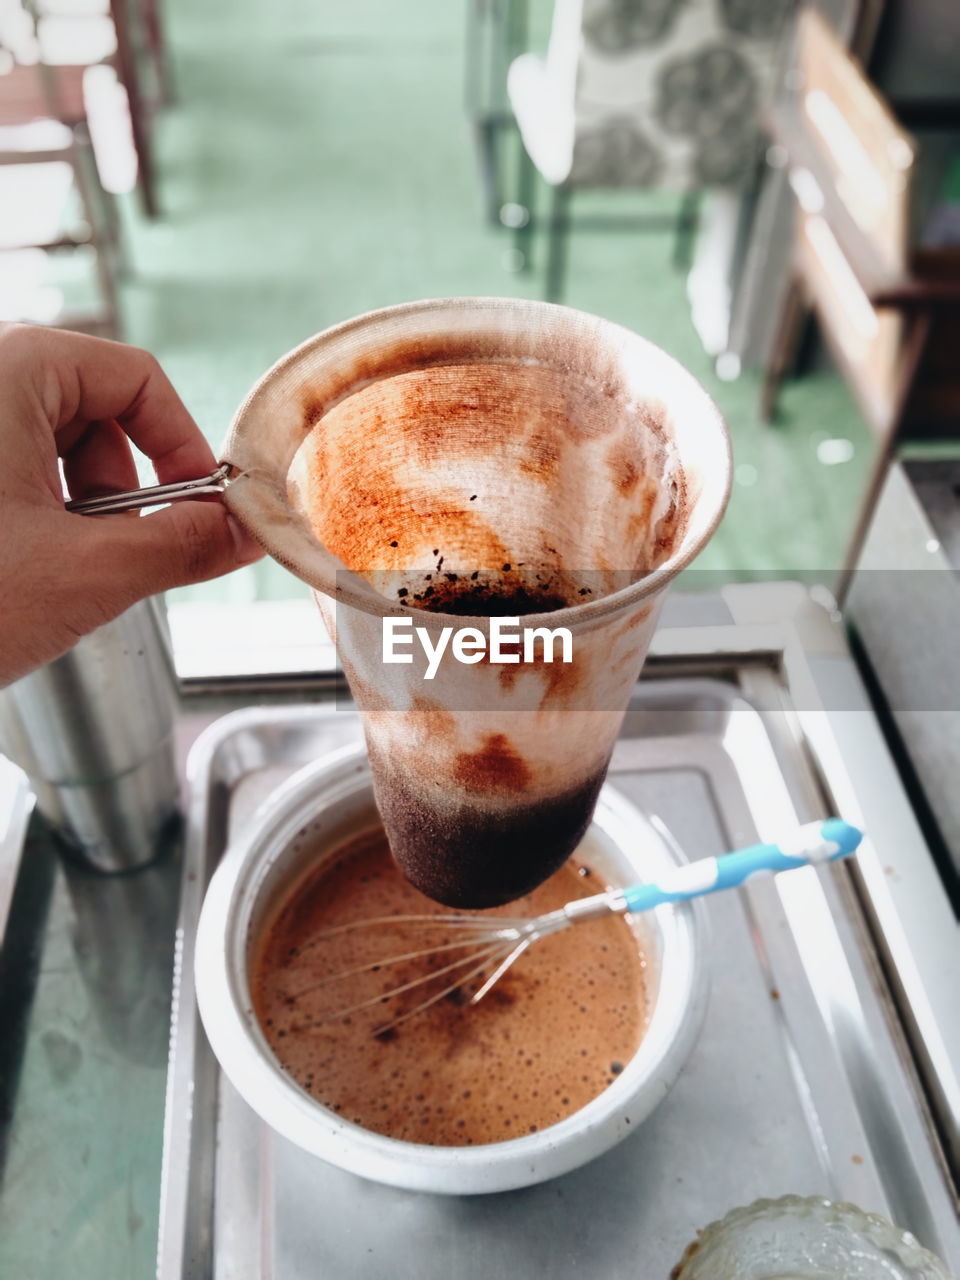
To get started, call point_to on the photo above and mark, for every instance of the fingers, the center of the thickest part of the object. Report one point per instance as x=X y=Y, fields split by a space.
x=100 y=462
x=184 y=543
x=78 y=379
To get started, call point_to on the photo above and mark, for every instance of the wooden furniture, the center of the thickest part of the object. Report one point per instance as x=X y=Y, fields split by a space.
x=888 y=308
x=44 y=123
x=662 y=97
x=131 y=40
x=139 y=38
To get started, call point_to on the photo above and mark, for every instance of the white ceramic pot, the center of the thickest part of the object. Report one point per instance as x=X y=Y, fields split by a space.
x=314 y=813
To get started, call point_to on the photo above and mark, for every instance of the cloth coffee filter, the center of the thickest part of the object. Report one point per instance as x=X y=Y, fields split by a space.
x=480 y=456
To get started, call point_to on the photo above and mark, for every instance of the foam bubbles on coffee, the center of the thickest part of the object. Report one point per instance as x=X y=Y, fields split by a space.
x=555 y=1032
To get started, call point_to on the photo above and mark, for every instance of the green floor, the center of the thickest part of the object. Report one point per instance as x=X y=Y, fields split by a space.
x=317 y=163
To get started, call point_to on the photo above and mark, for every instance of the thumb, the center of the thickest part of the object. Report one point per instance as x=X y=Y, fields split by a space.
x=184 y=543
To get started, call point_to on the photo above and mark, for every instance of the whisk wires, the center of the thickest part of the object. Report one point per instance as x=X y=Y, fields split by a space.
x=491 y=946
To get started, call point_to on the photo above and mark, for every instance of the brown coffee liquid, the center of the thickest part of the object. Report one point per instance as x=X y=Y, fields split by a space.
x=552 y=1034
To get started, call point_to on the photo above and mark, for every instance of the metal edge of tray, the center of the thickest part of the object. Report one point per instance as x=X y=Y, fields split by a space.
x=912 y=923
x=853 y=999
x=842 y=1044
x=18 y=804
x=223 y=753
x=181 y=1198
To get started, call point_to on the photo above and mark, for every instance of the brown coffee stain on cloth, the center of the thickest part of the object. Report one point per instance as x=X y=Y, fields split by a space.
x=497 y=767
x=409 y=355
x=541 y=456
x=312 y=410
x=443 y=408
x=688 y=1255
x=561 y=679
x=571 y=364
x=624 y=467
x=589 y=411
x=378 y=464
x=366 y=487
x=523 y=413
x=510 y=673
x=639 y=522
x=433 y=718
x=671 y=525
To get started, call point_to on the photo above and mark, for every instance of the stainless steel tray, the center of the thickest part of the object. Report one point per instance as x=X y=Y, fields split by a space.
x=798 y=1083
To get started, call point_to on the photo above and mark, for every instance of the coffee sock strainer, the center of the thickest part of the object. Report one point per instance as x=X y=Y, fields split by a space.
x=438 y=467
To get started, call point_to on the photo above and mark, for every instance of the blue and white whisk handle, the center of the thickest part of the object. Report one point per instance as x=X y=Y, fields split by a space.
x=816 y=842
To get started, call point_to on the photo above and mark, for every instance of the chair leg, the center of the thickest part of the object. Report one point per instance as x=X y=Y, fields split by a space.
x=489 y=129
x=784 y=347
x=156 y=43
x=487 y=56
x=130 y=79
x=518 y=28
x=86 y=176
x=472 y=56
x=868 y=501
x=101 y=205
x=526 y=201
x=557 y=248
x=911 y=362
x=685 y=230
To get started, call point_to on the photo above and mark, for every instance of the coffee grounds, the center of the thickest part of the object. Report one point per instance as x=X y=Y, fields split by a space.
x=472 y=857
x=491 y=599
x=552 y=1035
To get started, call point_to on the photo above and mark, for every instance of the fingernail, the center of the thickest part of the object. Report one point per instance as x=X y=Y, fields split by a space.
x=247 y=548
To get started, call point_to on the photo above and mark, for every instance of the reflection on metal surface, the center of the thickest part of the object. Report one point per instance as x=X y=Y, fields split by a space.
x=16 y=805
x=892 y=1127
x=93 y=731
x=122 y=956
x=81 y=1106
x=812 y=1094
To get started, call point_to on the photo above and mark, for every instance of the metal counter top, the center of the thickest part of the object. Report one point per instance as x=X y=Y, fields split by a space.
x=85 y=981
x=87 y=965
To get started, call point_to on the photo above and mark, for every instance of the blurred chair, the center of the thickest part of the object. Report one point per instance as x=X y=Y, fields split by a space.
x=650 y=94
x=47 y=161
x=496 y=33
x=126 y=35
x=888 y=308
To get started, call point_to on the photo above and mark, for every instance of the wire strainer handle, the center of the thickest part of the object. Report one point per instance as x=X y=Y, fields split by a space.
x=153 y=495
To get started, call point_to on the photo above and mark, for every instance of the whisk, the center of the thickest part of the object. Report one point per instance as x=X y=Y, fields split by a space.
x=496 y=943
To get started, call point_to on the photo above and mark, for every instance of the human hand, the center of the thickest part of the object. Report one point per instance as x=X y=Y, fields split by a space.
x=61 y=574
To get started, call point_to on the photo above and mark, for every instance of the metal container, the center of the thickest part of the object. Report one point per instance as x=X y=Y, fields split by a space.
x=331 y=801
x=93 y=730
